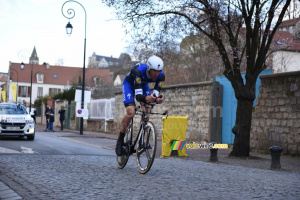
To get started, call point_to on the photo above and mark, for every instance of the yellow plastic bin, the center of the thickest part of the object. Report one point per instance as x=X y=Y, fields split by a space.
x=174 y=129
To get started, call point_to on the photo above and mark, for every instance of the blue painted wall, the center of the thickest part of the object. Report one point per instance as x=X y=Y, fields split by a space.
x=230 y=105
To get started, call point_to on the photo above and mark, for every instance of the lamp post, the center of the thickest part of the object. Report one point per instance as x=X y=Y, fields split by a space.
x=23 y=54
x=22 y=67
x=17 y=83
x=69 y=27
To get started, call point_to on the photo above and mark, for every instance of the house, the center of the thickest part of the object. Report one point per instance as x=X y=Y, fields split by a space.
x=97 y=61
x=117 y=66
x=292 y=26
x=50 y=80
x=119 y=80
x=287 y=40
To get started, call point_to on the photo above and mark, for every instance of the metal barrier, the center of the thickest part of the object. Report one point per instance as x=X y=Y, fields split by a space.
x=102 y=109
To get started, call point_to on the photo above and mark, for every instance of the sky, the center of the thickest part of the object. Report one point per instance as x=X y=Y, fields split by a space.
x=40 y=23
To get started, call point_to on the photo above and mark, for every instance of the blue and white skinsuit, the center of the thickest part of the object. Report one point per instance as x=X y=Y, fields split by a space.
x=136 y=84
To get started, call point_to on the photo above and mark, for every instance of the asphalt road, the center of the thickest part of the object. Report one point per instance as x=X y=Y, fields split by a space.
x=55 y=144
x=52 y=167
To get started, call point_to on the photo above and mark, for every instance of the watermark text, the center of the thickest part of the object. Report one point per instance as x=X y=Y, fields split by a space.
x=206 y=146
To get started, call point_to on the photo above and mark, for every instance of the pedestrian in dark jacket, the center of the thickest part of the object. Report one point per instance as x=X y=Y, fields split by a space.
x=48 y=111
x=62 y=112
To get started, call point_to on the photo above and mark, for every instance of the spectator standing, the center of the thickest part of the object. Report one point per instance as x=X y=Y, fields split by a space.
x=51 y=120
x=48 y=111
x=62 y=112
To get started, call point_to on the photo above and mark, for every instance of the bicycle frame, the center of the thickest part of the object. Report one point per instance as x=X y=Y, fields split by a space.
x=144 y=121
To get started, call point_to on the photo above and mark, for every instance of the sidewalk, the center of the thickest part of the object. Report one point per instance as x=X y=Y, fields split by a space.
x=262 y=161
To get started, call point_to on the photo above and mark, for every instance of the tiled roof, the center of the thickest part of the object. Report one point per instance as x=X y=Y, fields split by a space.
x=287 y=23
x=285 y=40
x=108 y=59
x=58 y=75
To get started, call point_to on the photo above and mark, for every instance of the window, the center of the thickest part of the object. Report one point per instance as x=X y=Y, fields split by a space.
x=28 y=91
x=40 y=92
x=24 y=91
x=40 y=78
x=53 y=91
x=12 y=109
x=97 y=81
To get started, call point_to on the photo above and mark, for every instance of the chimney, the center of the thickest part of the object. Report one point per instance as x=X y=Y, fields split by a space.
x=47 y=65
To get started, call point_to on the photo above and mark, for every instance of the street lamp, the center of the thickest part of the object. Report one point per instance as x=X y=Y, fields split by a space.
x=22 y=67
x=17 y=83
x=69 y=27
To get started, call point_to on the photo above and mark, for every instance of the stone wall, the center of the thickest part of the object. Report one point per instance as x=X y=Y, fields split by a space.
x=276 y=118
x=193 y=100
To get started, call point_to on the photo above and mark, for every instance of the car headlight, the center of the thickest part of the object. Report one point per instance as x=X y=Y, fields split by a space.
x=31 y=121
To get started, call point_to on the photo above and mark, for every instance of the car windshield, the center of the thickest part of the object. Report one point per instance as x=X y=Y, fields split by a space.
x=12 y=110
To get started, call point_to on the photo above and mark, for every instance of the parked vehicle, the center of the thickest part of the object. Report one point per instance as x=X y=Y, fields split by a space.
x=16 y=121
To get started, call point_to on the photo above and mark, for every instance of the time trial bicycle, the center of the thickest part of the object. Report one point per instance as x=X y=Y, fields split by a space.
x=145 y=142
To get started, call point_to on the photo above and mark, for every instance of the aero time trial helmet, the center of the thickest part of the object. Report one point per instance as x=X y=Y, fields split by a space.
x=155 y=63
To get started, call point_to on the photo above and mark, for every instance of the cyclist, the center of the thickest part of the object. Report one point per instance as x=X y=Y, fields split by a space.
x=136 y=85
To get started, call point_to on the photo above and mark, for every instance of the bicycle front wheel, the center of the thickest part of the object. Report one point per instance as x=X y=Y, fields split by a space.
x=146 y=148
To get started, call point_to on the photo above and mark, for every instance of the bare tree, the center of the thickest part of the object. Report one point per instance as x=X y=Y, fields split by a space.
x=224 y=22
x=200 y=58
x=293 y=10
x=60 y=62
x=194 y=59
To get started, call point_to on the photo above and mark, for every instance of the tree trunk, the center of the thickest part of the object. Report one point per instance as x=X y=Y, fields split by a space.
x=241 y=146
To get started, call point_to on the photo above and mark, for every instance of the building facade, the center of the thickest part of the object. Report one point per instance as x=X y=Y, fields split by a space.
x=286 y=43
x=39 y=80
x=100 y=62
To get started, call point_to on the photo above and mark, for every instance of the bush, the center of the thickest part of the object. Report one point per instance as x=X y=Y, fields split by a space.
x=38 y=102
x=68 y=95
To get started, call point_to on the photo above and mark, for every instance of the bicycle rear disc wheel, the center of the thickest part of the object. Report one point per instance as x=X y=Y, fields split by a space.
x=122 y=160
x=146 y=148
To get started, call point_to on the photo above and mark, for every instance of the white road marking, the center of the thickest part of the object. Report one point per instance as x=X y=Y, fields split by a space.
x=27 y=150
x=5 y=150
